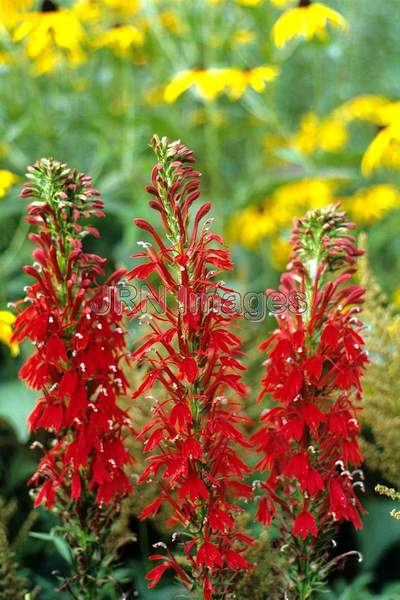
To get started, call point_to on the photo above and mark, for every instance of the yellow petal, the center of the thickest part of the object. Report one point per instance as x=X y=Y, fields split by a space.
x=7 y=179
x=7 y=319
x=178 y=85
x=372 y=158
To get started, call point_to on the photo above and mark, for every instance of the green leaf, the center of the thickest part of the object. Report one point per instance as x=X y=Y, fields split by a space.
x=59 y=542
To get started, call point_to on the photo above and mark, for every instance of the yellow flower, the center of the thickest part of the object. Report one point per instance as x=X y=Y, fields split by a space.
x=372 y=203
x=364 y=108
x=276 y=213
x=7 y=320
x=396 y=297
x=120 y=38
x=125 y=7
x=7 y=179
x=280 y=250
x=309 y=20
x=11 y=11
x=87 y=11
x=49 y=35
x=4 y=58
x=329 y=135
x=283 y=3
x=172 y=22
x=238 y=81
x=210 y=83
x=249 y=2
x=243 y=36
x=384 y=150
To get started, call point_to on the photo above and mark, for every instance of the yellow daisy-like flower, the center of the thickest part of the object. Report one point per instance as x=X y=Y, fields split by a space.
x=384 y=150
x=210 y=83
x=276 y=213
x=7 y=320
x=308 y=21
x=7 y=179
x=120 y=39
x=49 y=35
x=328 y=135
x=11 y=11
x=371 y=204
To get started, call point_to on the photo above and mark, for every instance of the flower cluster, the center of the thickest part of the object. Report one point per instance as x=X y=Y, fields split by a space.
x=193 y=358
x=309 y=438
x=77 y=361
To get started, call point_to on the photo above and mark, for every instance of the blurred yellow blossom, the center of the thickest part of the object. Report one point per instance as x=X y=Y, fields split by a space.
x=172 y=22
x=384 y=150
x=7 y=179
x=126 y=7
x=364 y=108
x=11 y=11
x=373 y=203
x=249 y=2
x=283 y=3
x=4 y=59
x=210 y=83
x=243 y=36
x=307 y=20
x=7 y=320
x=49 y=35
x=87 y=10
x=280 y=250
x=238 y=81
x=276 y=213
x=396 y=297
x=120 y=38
x=329 y=135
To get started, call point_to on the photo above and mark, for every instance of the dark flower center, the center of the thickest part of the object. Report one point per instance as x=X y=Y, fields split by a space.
x=304 y=3
x=48 y=6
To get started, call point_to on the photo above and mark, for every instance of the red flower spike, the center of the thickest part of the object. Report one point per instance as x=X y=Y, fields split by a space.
x=76 y=364
x=316 y=360
x=193 y=354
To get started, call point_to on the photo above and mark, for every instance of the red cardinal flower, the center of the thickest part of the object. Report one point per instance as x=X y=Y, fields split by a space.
x=78 y=355
x=315 y=362
x=305 y=525
x=193 y=354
